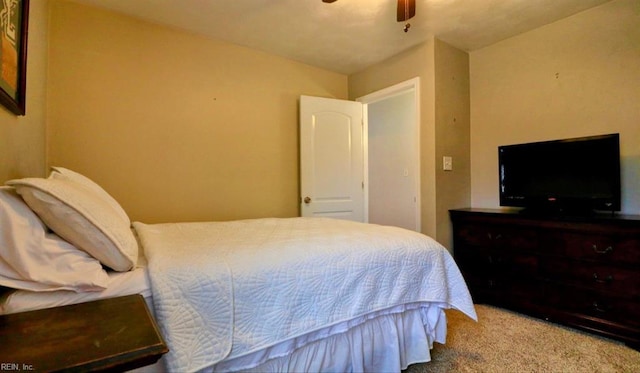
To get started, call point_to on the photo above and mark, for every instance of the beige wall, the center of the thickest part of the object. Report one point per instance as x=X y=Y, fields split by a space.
x=452 y=134
x=176 y=126
x=444 y=129
x=576 y=77
x=180 y=127
x=22 y=138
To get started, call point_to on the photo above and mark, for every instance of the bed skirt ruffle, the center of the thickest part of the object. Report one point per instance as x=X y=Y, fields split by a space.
x=388 y=340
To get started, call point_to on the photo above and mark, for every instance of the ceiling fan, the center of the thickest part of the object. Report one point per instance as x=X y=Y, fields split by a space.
x=406 y=10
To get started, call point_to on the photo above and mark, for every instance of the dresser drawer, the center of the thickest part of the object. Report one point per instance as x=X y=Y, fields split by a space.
x=596 y=304
x=619 y=249
x=496 y=236
x=595 y=276
x=502 y=261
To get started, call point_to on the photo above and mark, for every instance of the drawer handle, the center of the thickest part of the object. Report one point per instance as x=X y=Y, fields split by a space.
x=600 y=308
x=599 y=280
x=606 y=250
x=496 y=237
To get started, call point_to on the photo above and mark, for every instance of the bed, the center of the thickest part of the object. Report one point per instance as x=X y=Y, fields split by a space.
x=270 y=294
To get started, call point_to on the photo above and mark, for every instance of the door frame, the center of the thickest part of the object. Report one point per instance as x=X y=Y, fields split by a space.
x=383 y=94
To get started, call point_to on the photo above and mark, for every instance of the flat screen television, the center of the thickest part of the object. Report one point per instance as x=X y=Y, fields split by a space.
x=577 y=175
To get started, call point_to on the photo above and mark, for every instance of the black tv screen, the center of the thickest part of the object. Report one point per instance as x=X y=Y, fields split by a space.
x=578 y=174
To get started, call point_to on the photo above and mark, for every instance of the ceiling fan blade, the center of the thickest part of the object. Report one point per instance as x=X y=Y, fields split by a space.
x=328 y=1
x=406 y=9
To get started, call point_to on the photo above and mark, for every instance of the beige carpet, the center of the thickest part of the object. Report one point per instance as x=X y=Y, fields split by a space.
x=504 y=341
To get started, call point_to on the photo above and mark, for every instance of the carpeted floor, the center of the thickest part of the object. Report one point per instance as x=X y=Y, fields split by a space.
x=504 y=341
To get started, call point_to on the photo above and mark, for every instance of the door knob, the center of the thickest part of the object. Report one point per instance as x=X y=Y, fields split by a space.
x=307 y=200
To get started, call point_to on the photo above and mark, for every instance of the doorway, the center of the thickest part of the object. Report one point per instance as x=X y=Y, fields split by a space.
x=392 y=155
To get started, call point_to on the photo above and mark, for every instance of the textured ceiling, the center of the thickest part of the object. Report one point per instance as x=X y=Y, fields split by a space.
x=349 y=35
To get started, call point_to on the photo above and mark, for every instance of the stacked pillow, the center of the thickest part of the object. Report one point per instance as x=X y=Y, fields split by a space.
x=89 y=228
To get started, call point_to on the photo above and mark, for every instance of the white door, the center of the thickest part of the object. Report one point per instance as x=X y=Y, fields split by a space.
x=331 y=158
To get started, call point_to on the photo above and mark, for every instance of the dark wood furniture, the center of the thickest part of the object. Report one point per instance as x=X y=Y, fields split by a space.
x=583 y=272
x=114 y=334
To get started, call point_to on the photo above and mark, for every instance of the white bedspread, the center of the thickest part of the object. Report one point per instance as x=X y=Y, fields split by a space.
x=225 y=289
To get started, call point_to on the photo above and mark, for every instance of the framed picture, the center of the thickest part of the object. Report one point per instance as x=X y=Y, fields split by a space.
x=14 y=26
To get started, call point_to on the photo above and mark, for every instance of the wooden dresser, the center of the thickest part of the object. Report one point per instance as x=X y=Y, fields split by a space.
x=582 y=272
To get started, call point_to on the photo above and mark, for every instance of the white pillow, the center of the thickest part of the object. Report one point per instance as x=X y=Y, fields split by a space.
x=32 y=258
x=62 y=173
x=81 y=216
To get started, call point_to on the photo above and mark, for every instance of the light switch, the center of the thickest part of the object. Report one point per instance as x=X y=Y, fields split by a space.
x=447 y=163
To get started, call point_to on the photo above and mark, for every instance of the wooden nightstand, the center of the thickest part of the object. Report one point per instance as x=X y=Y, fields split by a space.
x=110 y=334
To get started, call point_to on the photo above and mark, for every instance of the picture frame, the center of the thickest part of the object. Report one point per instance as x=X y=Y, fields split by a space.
x=14 y=26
